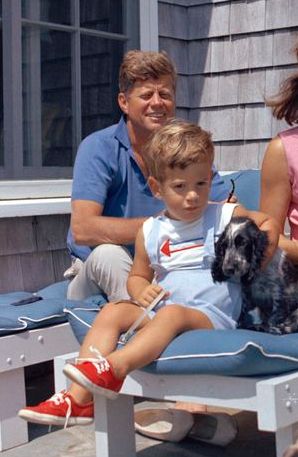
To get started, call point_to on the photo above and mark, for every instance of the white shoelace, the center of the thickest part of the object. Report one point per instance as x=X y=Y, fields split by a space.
x=99 y=362
x=59 y=399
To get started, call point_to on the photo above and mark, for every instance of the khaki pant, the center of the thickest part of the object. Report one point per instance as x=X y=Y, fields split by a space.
x=105 y=270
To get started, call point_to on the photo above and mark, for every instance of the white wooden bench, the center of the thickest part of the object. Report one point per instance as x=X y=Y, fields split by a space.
x=274 y=399
x=18 y=351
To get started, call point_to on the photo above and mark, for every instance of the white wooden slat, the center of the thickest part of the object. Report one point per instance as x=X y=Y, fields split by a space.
x=260 y=50
x=247 y=17
x=258 y=122
x=200 y=52
x=172 y=20
x=277 y=14
x=178 y=51
x=252 y=86
x=283 y=43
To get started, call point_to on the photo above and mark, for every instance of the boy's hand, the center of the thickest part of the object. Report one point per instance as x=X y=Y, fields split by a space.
x=149 y=294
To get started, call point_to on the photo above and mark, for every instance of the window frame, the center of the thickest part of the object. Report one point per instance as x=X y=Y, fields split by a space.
x=29 y=196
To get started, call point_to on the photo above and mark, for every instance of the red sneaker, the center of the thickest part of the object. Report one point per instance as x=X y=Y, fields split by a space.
x=96 y=375
x=60 y=409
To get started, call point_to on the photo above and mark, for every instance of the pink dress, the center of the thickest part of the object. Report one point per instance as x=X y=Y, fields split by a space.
x=289 y=139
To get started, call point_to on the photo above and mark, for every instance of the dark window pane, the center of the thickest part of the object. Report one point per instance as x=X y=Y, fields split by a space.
x=105 y=15
x=100 y=62
x=1 y=101
x=47 y=10
x=56 y=99
x=47 y=98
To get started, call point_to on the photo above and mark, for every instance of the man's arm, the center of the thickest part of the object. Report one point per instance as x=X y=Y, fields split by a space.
x=90 y=228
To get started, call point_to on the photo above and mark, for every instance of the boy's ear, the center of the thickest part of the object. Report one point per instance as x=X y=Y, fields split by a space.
x=154 y=186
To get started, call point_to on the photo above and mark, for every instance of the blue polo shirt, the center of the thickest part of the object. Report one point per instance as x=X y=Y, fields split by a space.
x=106 y=172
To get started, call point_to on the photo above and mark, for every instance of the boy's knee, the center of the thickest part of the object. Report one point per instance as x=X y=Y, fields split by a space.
x=170 y=311
x=108 y=312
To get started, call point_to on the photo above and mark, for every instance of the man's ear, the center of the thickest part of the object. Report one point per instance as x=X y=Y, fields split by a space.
x=122 y=102
x=155 y=187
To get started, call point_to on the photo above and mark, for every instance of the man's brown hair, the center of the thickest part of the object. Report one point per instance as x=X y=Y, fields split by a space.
x=143 y=65
x=177 y=144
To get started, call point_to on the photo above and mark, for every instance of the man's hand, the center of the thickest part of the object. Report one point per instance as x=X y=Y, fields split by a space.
x=149 y=294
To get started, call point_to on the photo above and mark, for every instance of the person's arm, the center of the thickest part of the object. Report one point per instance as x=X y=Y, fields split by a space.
x=276 y=192
x=89 y=227
x=95 y=167
x=265 y=223
x=275 y=184
x=139 y=283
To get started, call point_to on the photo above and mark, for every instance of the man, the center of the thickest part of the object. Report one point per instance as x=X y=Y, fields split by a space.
x=111 y=200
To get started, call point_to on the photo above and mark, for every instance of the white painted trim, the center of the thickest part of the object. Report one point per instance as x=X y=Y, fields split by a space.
x=50 y=188
x=34 y=207
x=149 y=25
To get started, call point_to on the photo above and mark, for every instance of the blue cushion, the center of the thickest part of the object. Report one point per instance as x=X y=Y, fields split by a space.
x=56 y=290
x=247 y=187
x=81 y=315
x=228 y=352
x=15 y=318
x=13 y=297
x=19 y=311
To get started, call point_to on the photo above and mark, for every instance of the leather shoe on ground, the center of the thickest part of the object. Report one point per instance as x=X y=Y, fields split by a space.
x=174 y=425
x=219 y=429
x=164 y=424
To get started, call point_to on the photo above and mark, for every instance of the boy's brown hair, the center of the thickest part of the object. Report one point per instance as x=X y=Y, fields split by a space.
x=177 y=144
x=143 y=65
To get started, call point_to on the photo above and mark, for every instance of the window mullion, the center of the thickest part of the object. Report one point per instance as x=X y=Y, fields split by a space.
x=12 y=86
x=76 y=77
x=33 y=88
x=131 y=21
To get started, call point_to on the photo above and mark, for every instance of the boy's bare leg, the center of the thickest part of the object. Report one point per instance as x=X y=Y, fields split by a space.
x=150 y=341
x=112 y=320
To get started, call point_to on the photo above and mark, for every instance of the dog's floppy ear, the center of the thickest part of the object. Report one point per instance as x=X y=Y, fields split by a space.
x=260 y=243
x=216 y=267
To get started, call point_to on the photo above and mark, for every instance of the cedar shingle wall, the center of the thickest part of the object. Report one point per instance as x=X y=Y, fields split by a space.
x=230 y=55
x=32 y=252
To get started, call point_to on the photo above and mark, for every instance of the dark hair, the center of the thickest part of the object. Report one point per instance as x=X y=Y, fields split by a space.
x=143 y=65
x=285 y=104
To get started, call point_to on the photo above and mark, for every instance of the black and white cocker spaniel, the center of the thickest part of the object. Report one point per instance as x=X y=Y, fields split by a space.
x=273 y=292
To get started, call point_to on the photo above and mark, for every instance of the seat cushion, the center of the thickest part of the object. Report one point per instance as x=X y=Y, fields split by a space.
x=81 y=315
x=21 y=311
x=247 y=186
x=228 y=352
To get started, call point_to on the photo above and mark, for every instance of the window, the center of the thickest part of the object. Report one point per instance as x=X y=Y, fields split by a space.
x=59 y=79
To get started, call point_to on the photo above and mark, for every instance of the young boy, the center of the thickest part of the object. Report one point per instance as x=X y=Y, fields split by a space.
x=174 y=252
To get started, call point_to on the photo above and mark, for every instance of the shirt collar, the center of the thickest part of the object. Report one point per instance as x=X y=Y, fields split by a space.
x=121 y=133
